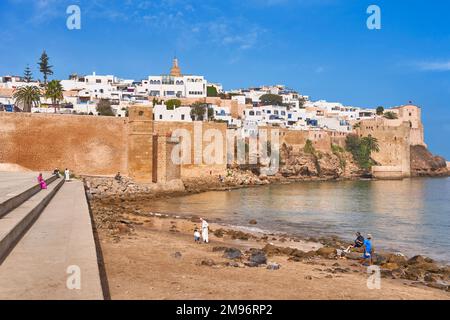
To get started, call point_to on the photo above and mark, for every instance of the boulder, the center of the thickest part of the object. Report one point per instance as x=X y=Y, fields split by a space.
x=258 y=257
x=419 y=260
x=232 y=253
x=390 y=266
x=353 y=256
x=208 y=262
x=327 y=252
x=253 y=221
x=395 y=258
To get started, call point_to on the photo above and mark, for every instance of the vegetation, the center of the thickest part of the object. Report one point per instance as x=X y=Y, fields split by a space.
x=271 y=99
x=155 y=102
x=380 y=110
x=172 y=104
x=104 y=108
x=28 y=96
x=211 y=91
x=338 y=151
x=198 y=111
x=309 y=147
x=54 y=91
x=357 y=125
x=390 y=115
x=361 y=149
x=27 y=75
x=44 y=67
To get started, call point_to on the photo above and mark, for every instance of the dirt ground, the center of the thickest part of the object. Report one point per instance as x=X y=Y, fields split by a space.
x=144 y=265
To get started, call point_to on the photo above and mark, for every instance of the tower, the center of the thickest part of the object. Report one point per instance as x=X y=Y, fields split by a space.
x=175 y=71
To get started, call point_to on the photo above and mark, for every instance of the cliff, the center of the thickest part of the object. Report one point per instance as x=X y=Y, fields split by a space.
x=425 y=164
x=325 y=165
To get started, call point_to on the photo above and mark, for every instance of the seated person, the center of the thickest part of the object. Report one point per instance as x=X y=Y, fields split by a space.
x=359 y=241
x=42 y=182
x=118 y=177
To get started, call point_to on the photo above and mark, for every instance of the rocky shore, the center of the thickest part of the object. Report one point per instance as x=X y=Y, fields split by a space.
x=166 y=240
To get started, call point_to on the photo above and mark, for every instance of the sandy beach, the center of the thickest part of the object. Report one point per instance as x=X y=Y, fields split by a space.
x=153 y=257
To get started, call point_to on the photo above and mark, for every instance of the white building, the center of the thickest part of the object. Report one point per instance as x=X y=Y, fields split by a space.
x=174 y=85
x=182 y=113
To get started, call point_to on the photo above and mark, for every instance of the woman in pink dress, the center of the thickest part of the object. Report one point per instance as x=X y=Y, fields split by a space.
x=42 y=181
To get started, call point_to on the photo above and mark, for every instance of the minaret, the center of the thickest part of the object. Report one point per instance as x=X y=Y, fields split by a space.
x=175 y=71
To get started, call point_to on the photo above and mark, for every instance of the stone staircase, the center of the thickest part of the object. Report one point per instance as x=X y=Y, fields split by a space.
x=19 y=211
x=43 y=234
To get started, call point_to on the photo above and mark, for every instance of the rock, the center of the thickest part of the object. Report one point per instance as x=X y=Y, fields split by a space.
x=233 y=264
x=258 y=257
x=308 y=278
x=336 y=264
x=438 y=285
x=329 y=276
x=208 y=262
x=419 y=260
x=327 y=252
x=395 y=258
x=232 y=253
x=253 y=221
x=412 y=273
x=353 y=256
x=390 y=266
x=219 y=233
x=273 y=266
x=270 y=249
x=177 y=255
x=218 y=249
x=429 y=278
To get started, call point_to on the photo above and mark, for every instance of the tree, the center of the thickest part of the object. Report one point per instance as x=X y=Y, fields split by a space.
x=210 y=113
x=27 y=75
x=309 y=147
x=54 y=91
x=44 y=66
x=28 y=96
x=104 y=108
x=271 y=99
x=380 y=111
x=371 y=143
x=172 y=104
x=198 y=111
x=211 y=91
x=361 y=149
x=390 y=115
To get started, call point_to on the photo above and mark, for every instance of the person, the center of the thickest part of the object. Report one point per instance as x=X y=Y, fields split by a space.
x=359 y=241
x=368 y=250
x=118 y=177
x=196 y=236
x=42 y=182
x=204 y=230
x=67 y=174
x=56 y=173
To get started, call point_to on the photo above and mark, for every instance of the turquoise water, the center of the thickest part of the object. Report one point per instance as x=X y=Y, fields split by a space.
x=411 y=216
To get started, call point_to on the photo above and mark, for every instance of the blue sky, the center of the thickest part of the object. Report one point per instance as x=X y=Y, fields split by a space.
x=322 y=48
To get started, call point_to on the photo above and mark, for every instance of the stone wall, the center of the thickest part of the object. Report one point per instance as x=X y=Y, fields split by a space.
x=85 y=144
x=394 y=141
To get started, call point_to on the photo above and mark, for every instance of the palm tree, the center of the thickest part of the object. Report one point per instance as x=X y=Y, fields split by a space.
x=371 y=143
x=28 y=96
x=54 y=91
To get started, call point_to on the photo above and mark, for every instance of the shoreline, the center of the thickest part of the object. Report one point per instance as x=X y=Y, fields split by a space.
x=163 y=244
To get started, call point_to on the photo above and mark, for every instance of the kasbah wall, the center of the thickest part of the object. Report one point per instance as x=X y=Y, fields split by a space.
x=140 y=147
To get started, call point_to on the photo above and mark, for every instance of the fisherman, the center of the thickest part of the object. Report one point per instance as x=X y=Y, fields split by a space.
x=204 y=230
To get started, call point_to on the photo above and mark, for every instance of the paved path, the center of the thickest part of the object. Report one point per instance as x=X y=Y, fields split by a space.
x=61 y=237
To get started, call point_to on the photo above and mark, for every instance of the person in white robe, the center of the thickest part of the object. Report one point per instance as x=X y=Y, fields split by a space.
x=205 y=226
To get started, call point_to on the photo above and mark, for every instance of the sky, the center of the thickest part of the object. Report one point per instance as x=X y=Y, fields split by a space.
x=321 y=48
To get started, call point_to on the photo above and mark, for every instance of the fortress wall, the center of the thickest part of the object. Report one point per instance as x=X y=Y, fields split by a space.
x=86 y=145
x=394 y=142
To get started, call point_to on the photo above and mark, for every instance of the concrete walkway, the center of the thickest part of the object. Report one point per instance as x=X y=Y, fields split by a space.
x=62 y=237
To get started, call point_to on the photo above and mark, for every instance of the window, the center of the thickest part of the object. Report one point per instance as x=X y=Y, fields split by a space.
x=98 y=81
x=160 y=117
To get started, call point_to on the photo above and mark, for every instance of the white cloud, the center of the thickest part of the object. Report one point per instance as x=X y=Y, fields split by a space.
x=434 y=66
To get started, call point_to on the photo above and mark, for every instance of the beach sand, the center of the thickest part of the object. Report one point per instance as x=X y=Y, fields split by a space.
x=145 y=264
